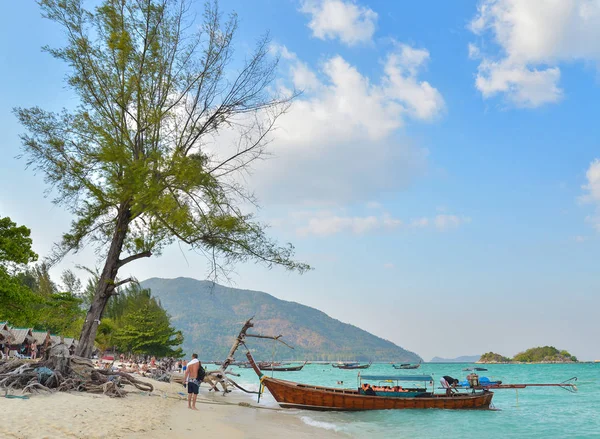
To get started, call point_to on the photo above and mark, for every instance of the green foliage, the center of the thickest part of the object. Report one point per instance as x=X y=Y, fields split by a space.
x=544 y=354
x=492 y=357
x=16 y=299
x=153 y=92
x=210 y=316
x=53 y=310
x=137 y=323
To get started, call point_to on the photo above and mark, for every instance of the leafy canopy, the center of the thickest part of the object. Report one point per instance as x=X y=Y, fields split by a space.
x=158 y=97
x=140 y=325
x=16 y=299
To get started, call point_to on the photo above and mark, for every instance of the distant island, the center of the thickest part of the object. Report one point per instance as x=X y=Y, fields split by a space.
x=544 y=354
x=461 y=359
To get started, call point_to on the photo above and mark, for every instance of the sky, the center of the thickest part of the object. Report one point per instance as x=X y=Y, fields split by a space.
x=440 y=170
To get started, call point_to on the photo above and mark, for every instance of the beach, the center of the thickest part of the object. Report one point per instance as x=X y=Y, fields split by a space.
x=163 y=413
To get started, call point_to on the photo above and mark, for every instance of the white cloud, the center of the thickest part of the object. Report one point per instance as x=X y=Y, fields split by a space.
x=388 y=266
x=327 y=223
x=592 y=187
x=440 y=222
x=580 y=238
x=592 y=192
x=340 y=140
x=345 y=20
x=533 y=37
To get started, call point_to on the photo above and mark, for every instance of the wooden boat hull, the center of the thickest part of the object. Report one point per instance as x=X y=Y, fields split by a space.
x=301 y=396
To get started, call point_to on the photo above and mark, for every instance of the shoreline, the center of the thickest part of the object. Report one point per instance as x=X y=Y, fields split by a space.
x=163 y=413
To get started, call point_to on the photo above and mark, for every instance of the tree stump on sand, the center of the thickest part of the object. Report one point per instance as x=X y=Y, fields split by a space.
x=62 y=372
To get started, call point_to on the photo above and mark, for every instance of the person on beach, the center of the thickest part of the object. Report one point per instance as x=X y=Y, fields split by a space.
x=191 y=379
x=34 y=350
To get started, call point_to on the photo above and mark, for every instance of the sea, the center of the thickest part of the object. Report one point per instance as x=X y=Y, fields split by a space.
x=542 y=412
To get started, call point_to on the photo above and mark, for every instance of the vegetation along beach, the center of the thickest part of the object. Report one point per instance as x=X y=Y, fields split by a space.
x=307 y=218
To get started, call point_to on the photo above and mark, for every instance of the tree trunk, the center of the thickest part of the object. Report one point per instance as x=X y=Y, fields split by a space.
x=105 y=285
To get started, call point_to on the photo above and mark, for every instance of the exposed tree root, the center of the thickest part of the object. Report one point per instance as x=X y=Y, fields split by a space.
x=61 y=372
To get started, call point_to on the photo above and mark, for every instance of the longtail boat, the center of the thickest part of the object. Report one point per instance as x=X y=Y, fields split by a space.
x=273 y=368
x=407 y=366
x=290 y=394
x=351 y=366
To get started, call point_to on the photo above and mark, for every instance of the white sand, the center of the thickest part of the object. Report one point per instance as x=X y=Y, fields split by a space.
x=164 y=414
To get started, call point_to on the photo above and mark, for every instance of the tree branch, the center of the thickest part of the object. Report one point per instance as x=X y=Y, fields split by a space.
x=118 y=284
x=131 y=258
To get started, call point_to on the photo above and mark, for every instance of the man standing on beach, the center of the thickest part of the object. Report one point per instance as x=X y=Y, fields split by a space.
x=193 y=384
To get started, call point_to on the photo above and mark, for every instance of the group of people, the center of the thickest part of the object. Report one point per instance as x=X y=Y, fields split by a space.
x=26 y=350
x=447 y=382
x=371 y=390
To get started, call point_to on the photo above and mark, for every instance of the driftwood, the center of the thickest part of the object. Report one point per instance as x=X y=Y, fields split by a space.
x=61 y=372
x=215 y=377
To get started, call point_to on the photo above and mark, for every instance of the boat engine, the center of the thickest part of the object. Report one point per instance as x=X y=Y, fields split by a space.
x=473 y=380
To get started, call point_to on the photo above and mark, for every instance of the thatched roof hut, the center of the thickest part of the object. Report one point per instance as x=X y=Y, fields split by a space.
x=5 y=333
x=70 y=342
x=22 y=335
x=42 y=337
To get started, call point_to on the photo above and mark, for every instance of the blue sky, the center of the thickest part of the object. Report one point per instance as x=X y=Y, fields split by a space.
x=438 y=171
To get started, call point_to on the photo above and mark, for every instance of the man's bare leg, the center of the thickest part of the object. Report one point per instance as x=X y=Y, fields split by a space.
x=190 y=400
x=194 y=402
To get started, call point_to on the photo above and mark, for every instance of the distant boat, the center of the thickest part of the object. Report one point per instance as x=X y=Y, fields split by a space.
x=352 y=365
x=407 y=366
x=273 y=368
x=475 y=368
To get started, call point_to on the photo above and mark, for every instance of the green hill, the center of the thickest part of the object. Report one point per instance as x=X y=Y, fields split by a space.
x=211 y=315
x=545 y=354
x=492 y=357
x=542 y=354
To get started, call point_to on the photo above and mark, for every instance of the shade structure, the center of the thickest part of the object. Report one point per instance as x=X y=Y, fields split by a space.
x=423 y=378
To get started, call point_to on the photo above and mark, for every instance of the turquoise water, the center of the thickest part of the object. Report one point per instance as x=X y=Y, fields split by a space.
x=539 y=413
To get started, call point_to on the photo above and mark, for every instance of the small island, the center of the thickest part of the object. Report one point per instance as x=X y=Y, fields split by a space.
x=545 y=354
x=492 y=357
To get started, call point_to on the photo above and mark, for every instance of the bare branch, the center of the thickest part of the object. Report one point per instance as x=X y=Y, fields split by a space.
x=131 y=258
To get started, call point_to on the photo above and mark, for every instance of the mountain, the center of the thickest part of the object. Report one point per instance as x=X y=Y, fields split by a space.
x=211 y=315
x=463 y=359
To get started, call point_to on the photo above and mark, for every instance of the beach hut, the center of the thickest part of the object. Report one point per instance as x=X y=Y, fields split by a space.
x=23 y=338
x=5 y=334
x=42 y=338
x=6 y=339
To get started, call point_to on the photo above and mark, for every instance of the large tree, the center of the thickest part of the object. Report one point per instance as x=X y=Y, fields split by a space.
x=143 y=160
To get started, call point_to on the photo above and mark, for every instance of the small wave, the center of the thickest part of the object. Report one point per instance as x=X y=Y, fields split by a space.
x=319 y=424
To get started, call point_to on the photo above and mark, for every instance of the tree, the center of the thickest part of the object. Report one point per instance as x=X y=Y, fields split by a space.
x=53 y=310
x=143 y=326
x=142 y=161
x=15 y=251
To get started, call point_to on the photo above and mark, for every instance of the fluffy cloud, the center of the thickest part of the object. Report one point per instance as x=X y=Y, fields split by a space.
x=533 y=38
x=340 y=140
x=592 y=192
x=345 y=20
x=327 y=223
